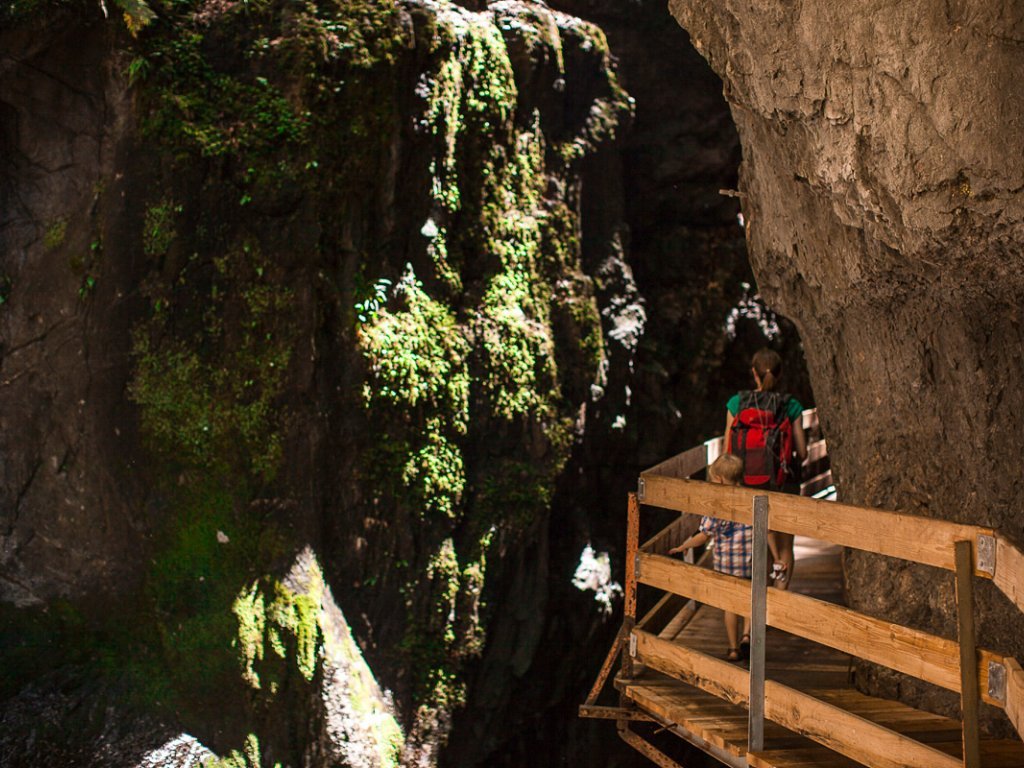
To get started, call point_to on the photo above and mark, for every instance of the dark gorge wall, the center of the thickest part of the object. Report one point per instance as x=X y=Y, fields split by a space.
x=653 y=197
x=881 y=183
x=331 y=333
x=294 y=308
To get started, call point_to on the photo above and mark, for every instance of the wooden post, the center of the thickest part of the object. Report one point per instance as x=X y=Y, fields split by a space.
x=758 y=617
x=632 y=547
x=964 y=552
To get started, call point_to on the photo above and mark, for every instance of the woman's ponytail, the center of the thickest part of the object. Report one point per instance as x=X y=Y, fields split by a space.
x=767 y=364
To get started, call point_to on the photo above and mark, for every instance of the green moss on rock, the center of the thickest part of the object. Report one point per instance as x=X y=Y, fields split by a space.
x=418 y=387
x=501 y=318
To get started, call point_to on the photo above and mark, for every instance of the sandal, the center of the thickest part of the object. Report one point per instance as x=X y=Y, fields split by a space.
x=744 y=649
x=733 y=655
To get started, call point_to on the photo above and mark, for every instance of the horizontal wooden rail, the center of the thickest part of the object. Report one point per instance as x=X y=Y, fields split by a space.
x=1015 y=694
x=1009 y=571
x=816 y=451
x=597 y=712
x=684 y=464
x=672 y=535
x=918 y=539
x=817 y=483
x=925 y=656
x=810 y=419
x=857 y=738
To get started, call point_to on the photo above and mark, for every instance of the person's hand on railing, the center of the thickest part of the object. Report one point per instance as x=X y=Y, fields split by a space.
x=694 y=541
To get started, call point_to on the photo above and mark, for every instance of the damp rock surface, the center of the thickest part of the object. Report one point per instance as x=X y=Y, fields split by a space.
x=882 y=189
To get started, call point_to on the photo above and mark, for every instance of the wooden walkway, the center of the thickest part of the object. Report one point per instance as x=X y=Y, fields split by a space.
x=721 y=728
x=796 y=706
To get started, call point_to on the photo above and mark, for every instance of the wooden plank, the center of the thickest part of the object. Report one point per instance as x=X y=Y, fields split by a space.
x=667 y=709
x=1015 y=694
x=839 y=730
x=672 y=535
x=928 y=657
x=1009 y=576
x=666 y=609
x=848 y=734
x=701 y=584
x=612 y=713
x=810 y=417
x=816 y=451
x=685 y=610
x=815 y=484
x=606 y=667
x=719 y=678
x=647 y=749
x=680 y=622
x=758 y=615
x=716 y=447
x=964 y=552
x=910 y=537
x=684 y=464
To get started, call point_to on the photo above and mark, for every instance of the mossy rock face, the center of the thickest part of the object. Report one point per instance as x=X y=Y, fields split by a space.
x=502 y=313
x=362 y=322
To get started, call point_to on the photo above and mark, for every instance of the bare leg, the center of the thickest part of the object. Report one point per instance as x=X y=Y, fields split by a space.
x=732 y=629
x=784 y=543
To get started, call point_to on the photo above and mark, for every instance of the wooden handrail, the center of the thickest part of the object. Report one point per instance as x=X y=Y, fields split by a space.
x=909 y=537
x=931 y=658
x=1015 y=694
x=1009 y=571
x=920 y=654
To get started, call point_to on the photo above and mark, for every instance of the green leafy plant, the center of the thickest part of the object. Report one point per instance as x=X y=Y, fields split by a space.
x=159 y=230
x=368 y=308
x=138 y=70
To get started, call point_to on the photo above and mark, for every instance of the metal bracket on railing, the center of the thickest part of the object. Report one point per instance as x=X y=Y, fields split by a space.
x=985 y=554
x=641 y=488
x=997 y=681
x=632 y=646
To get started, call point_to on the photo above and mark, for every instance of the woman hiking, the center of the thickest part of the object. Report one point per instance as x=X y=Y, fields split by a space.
x=764 y=427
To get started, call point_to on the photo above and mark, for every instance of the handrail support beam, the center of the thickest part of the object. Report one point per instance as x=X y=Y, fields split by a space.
x=968 y=652
x=758 y=624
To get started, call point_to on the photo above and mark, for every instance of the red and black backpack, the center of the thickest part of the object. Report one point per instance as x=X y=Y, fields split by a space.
x=762 y=435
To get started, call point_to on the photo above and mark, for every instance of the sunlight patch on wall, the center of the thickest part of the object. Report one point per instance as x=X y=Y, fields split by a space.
x=595 y=573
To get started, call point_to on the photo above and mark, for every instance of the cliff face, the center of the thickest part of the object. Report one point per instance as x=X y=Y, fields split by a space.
x=653 y=197
x=336 y=330
x=282 y=279
x=881 y=181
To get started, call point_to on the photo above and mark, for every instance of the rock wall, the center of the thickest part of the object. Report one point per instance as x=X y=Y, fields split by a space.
x=281 y=276
x=882 y=187
x=416 y=286
x=652 y=198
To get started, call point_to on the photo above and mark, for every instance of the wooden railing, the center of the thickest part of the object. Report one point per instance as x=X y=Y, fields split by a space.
x=968 y=551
